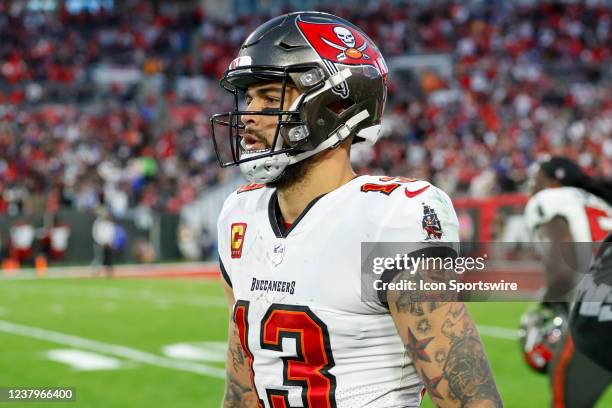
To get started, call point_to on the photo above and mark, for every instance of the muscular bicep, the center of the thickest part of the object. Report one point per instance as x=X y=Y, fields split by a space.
x=443 y=342
x=239 y=392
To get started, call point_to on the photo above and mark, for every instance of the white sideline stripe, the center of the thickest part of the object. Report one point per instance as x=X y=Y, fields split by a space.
x=113 y=349
x=498 y=332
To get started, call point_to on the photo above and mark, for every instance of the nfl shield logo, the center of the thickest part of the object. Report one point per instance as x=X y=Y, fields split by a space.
x=278 y=252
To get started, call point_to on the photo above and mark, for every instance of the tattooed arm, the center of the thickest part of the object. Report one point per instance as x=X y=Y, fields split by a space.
x=239 y=392
x=443 y=342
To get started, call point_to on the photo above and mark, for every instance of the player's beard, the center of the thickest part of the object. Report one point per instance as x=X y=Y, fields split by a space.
x=293 y=175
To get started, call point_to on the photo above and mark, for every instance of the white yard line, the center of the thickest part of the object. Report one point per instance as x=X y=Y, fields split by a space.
x=81 y=360
x=498 y=332
x=112 y=349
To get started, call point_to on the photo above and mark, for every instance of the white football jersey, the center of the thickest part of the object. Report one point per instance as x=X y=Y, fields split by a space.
x=310 y=338
x=588 y=216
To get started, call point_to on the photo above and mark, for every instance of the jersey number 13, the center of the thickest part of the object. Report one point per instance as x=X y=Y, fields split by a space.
x=309 y=369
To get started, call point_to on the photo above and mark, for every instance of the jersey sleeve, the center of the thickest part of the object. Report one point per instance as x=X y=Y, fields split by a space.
x=546 y=205
x=437 y=204
x=425 y=226
x=428 y=217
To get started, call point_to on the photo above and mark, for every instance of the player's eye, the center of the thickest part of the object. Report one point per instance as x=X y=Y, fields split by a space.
x=272 y=100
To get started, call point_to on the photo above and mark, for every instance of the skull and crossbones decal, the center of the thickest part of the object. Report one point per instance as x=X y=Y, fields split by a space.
x=348 y=50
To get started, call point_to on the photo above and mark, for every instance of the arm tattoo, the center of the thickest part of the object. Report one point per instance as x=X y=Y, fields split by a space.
x=440 y=356
x=431 y=384
x=235 y=394
x=239 y=392
x=456 y=312
x=423 y=326
x=456 y=362
x=434 y=305
x=237 y=355
x=418 y=302
x=468 y=374
x=465 y=364
x=417 y=347
x=405 y=303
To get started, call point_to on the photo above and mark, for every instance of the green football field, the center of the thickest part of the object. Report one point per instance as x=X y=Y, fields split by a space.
x=159 y=343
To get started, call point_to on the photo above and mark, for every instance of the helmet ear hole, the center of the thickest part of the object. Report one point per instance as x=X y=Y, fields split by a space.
x=340 y=106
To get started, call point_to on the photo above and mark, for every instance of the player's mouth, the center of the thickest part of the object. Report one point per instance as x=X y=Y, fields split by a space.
x=253 y=144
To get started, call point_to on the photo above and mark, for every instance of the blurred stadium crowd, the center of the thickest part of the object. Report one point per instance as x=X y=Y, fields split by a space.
x=112 y=107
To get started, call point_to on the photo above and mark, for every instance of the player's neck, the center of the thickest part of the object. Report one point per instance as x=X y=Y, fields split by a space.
x=326 y=175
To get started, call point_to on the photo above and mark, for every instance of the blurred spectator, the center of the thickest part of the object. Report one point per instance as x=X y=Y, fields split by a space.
x=21 y=241
x=104 y=233
x=143 y=251
x=119 y=240
x=111 y=107
x=55 y=238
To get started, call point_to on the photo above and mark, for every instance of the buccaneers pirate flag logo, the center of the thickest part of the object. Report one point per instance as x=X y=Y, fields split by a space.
x=430 y=223
x=337 y=43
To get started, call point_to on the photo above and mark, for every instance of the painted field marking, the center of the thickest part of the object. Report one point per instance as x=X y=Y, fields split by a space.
x=201 y=351
x=112 y=349
x=498 y=332
x=81 y=360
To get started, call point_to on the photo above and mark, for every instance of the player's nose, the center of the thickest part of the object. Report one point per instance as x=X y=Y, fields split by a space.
x=250 y=119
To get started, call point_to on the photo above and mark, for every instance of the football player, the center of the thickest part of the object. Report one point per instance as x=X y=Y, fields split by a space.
x=567 y=207
x=306 y=86
x=591 y=322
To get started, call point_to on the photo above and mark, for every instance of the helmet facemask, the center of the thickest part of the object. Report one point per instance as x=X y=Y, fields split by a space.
x=291 y=134
x=292 y=141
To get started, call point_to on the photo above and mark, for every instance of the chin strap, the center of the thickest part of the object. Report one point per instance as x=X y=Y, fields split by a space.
x=335 y=139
